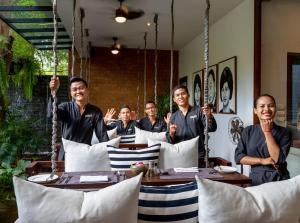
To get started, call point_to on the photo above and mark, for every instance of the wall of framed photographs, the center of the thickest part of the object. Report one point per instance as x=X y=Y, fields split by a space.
x=222 y=87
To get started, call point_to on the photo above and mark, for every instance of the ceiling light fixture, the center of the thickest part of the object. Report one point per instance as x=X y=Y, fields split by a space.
x=115 y=49
x=120 y=14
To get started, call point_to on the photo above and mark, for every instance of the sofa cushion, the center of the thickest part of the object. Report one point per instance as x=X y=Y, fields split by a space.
x=37 y=203
x=127 y=139
x=141 y=136
x=121 y=159
x=176 y=203
x=111 y=135
x=81 y=157
x=183 y=154
x=269 y=202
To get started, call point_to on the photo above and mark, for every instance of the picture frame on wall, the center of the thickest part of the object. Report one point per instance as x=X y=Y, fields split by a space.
x=227 y=91
x=183 y=81
x=212 y=80
x=198 y=88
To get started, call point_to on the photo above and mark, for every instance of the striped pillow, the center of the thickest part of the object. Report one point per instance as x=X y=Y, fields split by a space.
x=127 y=139
x=176 y=203
x=121 y=159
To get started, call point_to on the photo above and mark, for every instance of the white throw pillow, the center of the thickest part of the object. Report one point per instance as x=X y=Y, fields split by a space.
x=81 y=157
x=183 y=154
x=270 y=202
x=141 y=136
x=111 y=135
x=37 y=203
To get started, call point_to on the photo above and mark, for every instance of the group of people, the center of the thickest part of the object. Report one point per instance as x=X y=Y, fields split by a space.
x=264 y=146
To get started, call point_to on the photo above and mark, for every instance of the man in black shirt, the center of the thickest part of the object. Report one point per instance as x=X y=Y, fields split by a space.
x=151 y=122
x=126 y=125
x=189 y=122
x=79 y=118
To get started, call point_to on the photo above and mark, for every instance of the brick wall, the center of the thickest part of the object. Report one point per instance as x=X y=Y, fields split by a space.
x=114 y=78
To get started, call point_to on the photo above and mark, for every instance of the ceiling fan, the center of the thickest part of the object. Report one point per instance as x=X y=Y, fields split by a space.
x=124 y=12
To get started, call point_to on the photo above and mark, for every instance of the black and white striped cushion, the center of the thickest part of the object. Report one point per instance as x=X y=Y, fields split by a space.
x=121 y=159
x=176 y=203
x=127 y=139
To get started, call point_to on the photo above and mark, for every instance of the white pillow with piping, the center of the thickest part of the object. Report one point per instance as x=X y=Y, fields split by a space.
x=111 y=135
x=81 y=157
x=183 y=154
x=270 y=202
x=37 y=203
x=141 y=136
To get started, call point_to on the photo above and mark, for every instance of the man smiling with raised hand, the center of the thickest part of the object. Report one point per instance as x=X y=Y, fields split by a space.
x=189 y=122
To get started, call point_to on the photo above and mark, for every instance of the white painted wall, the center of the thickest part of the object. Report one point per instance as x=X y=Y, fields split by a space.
x=233 y=35
x=280 y=35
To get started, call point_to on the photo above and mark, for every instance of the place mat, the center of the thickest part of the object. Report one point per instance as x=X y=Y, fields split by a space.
x=207 y=173
x=74 y=177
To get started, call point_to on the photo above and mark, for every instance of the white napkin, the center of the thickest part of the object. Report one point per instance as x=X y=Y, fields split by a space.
x=93 y=179
x=186 y=170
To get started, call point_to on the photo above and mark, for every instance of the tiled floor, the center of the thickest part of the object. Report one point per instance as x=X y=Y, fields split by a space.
x=293 y=161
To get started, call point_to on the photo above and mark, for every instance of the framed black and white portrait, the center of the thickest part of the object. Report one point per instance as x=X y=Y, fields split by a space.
x=198 y=88
x=183 y=81
x=212 y=97
x=227 y=86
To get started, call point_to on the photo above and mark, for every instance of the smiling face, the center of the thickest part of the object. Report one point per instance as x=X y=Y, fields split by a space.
x=225 y=94
x=125 y=115
x=181 y=97
x=79 y=91
x=265 y=108
x=150 y=109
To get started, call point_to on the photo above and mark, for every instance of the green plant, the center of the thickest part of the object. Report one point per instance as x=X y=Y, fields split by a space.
x=7 y=171
x=18 y=134
x=163 y=105
x=3 y=73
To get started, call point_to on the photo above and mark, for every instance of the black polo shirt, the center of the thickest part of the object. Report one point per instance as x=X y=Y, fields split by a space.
x=121 y=130
x=159 y=125
x=77 y=127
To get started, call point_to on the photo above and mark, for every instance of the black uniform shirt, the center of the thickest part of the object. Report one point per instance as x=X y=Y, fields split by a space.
x=253 y=143
x=158 y=126
x=129 y=130
x=77 y=127
x=190 y=126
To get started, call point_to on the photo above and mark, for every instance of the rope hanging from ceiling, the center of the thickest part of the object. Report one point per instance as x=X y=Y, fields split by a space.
x=145 y=68
x=81 y=41
x=73 y=39
x=206 y=58
x=88 y=70
x=155 y=59
x=172 y=46
x=138 y=84
x=54 y=111
x=86 y=53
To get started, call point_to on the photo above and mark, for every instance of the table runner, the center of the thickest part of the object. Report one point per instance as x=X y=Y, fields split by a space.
x=74 y=177
x=207 y=173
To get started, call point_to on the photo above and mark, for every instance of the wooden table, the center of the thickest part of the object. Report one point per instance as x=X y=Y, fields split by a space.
x=43 y=167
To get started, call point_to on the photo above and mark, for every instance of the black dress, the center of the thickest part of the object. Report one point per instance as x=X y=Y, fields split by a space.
x=253 y=143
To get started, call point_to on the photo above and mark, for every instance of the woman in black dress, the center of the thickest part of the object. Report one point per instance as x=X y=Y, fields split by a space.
x=265 y=146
